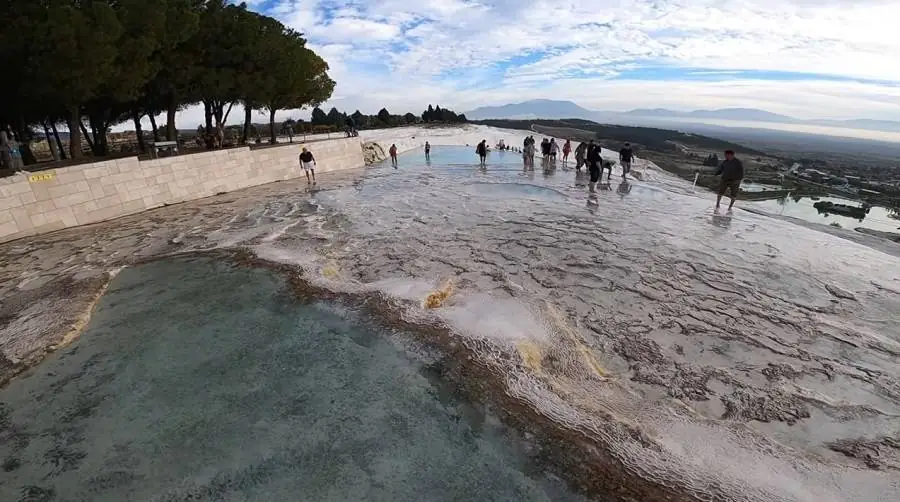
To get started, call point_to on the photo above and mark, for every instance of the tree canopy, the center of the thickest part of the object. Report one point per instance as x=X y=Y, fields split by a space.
x=383 y=118
x=92 y=65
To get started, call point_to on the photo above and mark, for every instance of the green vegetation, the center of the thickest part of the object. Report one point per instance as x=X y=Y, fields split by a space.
x=110 y=61
x=383 y=118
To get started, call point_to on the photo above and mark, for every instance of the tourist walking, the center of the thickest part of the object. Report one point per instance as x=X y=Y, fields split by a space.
x=427 y=151
x=308 y=163
x=605 y=165
x=593 y=161
x=481 y=150
x=528 y=154
x=393 y=153
x=566 y=149
x=580 y=154
x=626 y=154
x=732 y=171
x=554 y=150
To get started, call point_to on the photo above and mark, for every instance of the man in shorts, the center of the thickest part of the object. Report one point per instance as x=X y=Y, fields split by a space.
x=732 y=171
x=308 y=163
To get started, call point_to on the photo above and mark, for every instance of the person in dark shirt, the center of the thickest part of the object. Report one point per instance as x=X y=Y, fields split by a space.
x=732 y=171
x=580 y=153
x=481 y=150
x=308 y=163
x=594 y=161
x=427 y=151
x=625 y=156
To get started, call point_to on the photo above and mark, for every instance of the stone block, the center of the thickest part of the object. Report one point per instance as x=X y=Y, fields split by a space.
x=38 y=220
x=94 y=172
x=135 y=185
x=22 y=218
x=41 y=192
x=8 y=229
x=27 y=197
x=65 y=215
x=73 y=199
x=103 y=214
x=133 y=206
x=14 y=188
x=108 y=201
x=85 y=207
x=42 y=206
x=11 y=202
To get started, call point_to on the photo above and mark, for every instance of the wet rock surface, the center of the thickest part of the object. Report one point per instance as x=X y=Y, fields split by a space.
x=632 y=306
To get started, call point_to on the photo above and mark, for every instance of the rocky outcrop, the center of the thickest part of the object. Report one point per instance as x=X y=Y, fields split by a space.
x=373 y=152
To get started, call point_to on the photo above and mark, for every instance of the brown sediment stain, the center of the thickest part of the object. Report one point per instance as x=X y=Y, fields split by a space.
x=436 y=298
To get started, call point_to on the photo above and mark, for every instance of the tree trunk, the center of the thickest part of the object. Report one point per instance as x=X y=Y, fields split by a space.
x=171 y=132
x=136 y=118
x=101 y=138
x=75 y=132
x=218 y=111
x=87 y=137
x=53 y=151
x=98 y=132
x=272 y=138
x=59 y=146
x=153 y=126
x=247 y=118
x=207 y=113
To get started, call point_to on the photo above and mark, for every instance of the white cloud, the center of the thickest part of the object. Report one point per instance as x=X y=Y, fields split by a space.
x=414 y=51
x=404 y=54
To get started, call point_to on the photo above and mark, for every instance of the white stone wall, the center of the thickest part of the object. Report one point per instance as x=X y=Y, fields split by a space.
x=91 y=193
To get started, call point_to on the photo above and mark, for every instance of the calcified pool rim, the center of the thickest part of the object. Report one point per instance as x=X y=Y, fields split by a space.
x=579 y=457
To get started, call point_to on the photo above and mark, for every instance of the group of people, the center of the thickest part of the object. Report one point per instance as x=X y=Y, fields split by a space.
x=586 y=154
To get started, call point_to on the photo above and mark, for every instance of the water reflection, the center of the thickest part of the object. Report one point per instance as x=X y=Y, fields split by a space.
x=721 y=220
x=623 y=189
x=825 y=209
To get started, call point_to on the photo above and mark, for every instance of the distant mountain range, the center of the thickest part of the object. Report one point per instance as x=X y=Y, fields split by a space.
x=552 y=109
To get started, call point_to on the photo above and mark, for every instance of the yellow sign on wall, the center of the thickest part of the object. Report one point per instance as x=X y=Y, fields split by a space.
x=34 y=178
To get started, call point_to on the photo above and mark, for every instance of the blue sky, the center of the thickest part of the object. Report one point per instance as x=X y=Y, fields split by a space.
x=804 y=58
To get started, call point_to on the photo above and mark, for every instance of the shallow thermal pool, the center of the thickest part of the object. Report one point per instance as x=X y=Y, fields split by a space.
x=202 y=381
x=745 y=356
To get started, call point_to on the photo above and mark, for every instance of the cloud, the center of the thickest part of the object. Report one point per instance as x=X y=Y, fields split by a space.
x=807 y=58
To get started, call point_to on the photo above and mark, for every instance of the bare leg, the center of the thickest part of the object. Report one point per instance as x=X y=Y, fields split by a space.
x=313 y=171
x=718 y=200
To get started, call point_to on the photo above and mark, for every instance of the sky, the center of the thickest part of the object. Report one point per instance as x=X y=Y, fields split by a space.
x=803 y=58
